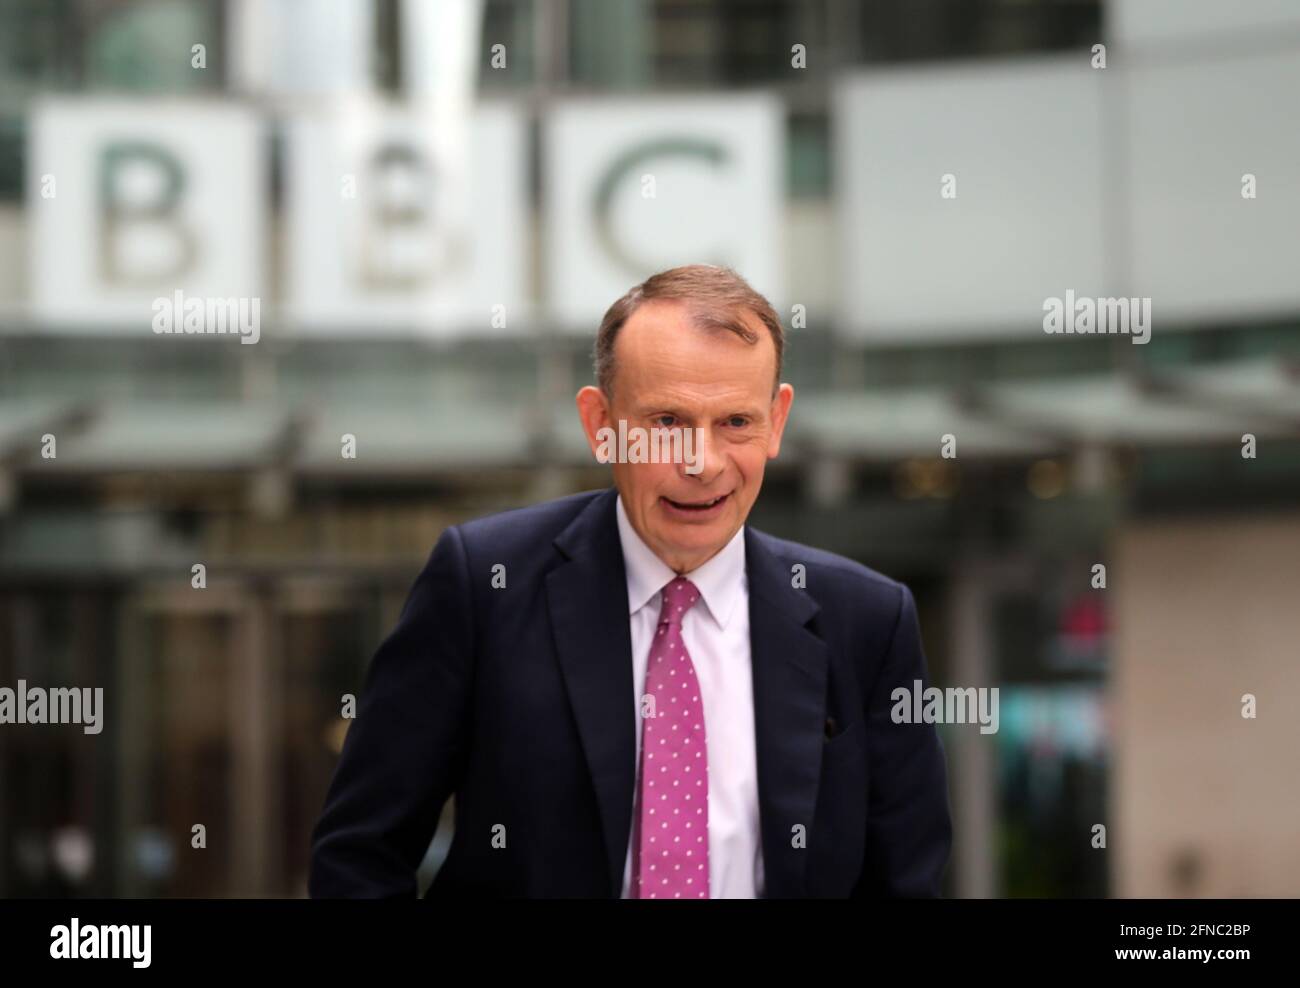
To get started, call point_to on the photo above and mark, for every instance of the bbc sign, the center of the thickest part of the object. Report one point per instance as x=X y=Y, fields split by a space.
x=382 y=227
x=128 y=203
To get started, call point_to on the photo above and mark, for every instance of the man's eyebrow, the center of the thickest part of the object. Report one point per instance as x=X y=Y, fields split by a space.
x=658 y=406
x=668 y=408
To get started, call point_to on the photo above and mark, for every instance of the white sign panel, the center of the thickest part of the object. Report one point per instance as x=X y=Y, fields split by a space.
x=1214 y=209
x=637 y=186
x=967 y=196
x=389 y=228
x=134 y=201
x=1173 y=24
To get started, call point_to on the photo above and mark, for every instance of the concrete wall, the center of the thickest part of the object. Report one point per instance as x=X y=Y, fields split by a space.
x=1203 y=801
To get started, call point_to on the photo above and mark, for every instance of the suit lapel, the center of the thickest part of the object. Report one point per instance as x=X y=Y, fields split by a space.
x=790 y=675
x=587 y=597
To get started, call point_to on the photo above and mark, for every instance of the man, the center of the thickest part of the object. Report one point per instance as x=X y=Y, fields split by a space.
x=631 y=693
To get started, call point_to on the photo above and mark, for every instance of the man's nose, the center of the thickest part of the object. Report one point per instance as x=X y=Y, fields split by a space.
x=708 y=460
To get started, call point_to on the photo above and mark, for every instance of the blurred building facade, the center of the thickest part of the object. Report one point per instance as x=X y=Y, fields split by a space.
x=433 y=203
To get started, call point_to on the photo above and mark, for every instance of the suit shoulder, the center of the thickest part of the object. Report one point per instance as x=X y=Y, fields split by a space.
x=848 y=572
x=531 y=525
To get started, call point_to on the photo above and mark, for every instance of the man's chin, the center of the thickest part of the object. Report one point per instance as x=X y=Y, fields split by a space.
x=696 y=543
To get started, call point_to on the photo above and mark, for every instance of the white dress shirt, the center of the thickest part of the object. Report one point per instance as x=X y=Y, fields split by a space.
x=716 y=634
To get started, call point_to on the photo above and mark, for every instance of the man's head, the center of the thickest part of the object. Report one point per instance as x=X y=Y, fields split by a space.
x=692 y=348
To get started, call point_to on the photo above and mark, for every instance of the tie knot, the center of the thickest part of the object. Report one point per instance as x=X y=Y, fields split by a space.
x=679 y=597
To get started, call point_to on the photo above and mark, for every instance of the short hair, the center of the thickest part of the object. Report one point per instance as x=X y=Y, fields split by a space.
x=715 y=297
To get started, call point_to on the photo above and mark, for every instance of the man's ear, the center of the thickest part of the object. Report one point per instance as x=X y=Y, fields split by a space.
x=780 y=415
x=593 y=410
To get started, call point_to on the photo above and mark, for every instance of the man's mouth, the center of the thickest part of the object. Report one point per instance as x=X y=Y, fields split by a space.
x=697 y=506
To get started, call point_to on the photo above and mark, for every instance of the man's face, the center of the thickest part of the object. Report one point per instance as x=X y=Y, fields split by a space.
x=669 y=374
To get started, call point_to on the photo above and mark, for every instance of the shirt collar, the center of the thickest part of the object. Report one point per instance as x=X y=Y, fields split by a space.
x=720 y=580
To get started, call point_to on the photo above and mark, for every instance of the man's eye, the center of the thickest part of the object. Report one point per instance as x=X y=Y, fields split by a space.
x=664 y=421
x=738 y=421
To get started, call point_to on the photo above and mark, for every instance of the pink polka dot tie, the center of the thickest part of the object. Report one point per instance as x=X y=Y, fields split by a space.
x=672 y=847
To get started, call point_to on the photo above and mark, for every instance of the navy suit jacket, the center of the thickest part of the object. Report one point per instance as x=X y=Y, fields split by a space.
x=519 y=701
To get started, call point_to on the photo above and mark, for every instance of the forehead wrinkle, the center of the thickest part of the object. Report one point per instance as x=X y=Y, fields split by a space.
x=651 y=376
